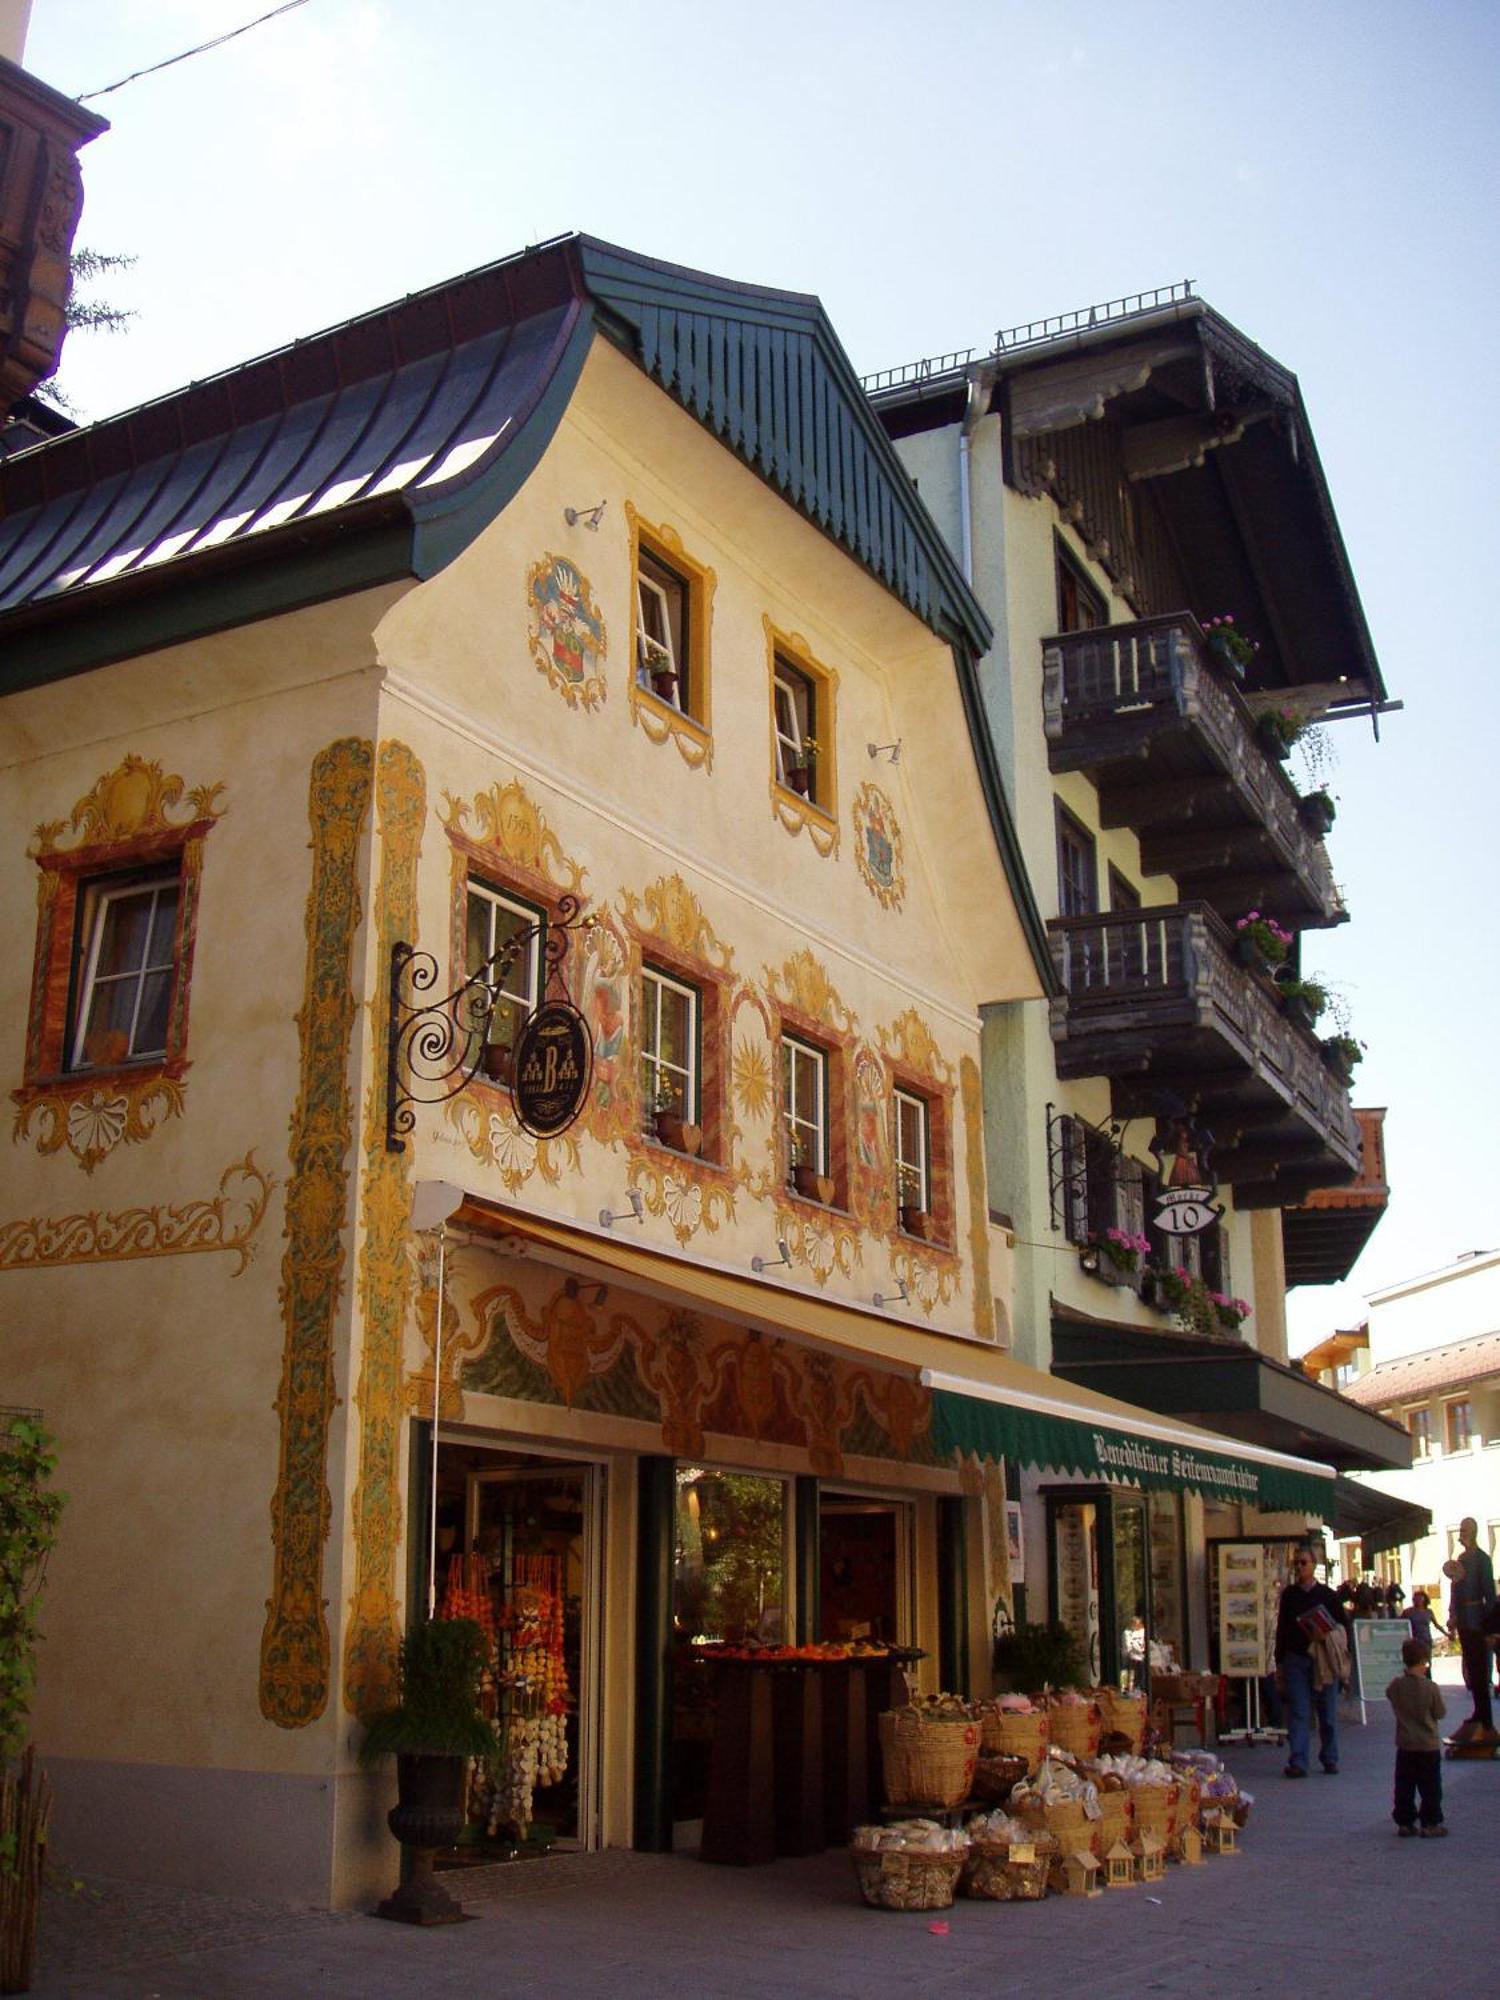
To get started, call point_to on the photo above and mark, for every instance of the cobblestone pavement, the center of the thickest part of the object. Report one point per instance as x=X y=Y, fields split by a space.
x=1322 y=1892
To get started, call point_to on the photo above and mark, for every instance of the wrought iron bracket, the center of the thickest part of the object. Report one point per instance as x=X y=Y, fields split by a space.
x=434 y=1048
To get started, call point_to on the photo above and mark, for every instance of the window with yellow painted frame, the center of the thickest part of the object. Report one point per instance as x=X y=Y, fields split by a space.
x=671 y=598
x=804 y=767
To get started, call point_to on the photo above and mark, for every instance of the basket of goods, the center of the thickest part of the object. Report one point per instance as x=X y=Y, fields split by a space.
x=996 y=1777
x=1059 y=1801
x=1123 y=1718
x=913 y=1864
x=1153 y=1792
x=928 y=1752
x=1015 y=1727
x=1073 y=1723
x=1007 y=1861
x=1116 y=1820
x=1216 y=1786
x=1239 y=1808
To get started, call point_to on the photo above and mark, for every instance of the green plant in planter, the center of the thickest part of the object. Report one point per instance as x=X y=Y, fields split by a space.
x=1229 y=645
x=1279 y=729
x=1032 y=1657
x=438 y=1713
x=1304 y=999
x=1318 y=810
x=1343 y=1052
x=434 y=1729
x=1262 y=937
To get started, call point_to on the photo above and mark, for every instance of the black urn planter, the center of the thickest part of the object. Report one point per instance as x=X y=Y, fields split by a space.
x=428 y=1814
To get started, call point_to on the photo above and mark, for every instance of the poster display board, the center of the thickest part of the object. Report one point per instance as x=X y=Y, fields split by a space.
x=1377 y=1659
x=1247 y=1610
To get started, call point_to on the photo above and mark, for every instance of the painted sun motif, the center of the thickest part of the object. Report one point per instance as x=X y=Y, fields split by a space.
x=752 y=1080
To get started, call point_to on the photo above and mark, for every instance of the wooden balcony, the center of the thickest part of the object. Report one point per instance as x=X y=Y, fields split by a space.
x=1171 y=745
x=41 y=193
x=1157 y=1001
x=1323 y=1236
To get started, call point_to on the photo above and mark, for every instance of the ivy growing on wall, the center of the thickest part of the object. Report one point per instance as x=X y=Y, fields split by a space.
x=29 y=1513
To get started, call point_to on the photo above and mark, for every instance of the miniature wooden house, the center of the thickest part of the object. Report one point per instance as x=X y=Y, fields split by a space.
x=1119 y=1867
x=1077 y=1874
x=1150 y=1855
x=1220 y=1833
x=1190 y=1847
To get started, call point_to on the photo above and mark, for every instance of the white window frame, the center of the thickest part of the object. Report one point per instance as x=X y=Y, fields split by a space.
x=684 y=1077
x=921 y=1167
x=795 y=1053
x=102 y=898
x=522 y=983
x=653 y=653
x=792 y=691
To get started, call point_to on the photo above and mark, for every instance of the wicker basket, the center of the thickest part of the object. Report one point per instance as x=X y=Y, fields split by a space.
x=996 y=1777
x=1066 y=1821
x=1123 y=1715
x=1010 y=1735
x=991 y=1875
x=926 y=1762
x=902 y=1878
x=1074 y=1726
x=1239 y=1809
x=1115 y=1822
x=1154 y=1808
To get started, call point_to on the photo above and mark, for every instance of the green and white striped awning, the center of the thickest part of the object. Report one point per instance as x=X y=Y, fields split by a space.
x=1037 y=1428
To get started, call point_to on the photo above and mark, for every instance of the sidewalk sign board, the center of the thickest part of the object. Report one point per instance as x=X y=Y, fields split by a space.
x=1377 y=1658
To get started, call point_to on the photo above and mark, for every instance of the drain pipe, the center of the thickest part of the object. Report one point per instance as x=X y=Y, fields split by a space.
x=432 y=1204
x=981 y=381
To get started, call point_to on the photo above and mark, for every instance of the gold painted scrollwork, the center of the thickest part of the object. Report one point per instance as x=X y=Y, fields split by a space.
x=225 y=1221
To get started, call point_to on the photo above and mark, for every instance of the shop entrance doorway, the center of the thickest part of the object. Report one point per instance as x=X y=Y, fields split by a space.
x=864 y=1568
x=520 y=1548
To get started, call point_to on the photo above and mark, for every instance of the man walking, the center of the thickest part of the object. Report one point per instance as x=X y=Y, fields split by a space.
x=1472 y=1599
x=1307 y=1620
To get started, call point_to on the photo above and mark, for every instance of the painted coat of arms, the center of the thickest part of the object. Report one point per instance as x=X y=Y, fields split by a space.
x=877 y=846
x=568 y=639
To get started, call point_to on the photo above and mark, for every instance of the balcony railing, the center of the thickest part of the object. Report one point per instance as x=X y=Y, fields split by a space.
x=1173 y=747
x=1157 y=1001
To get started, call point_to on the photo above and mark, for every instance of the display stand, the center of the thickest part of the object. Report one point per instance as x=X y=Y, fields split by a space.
x=1255 y=1730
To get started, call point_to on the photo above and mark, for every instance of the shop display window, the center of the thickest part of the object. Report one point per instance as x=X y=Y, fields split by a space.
x=731 y=1573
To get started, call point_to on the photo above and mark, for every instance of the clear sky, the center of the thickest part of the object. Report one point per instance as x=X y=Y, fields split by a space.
x=1325 y=170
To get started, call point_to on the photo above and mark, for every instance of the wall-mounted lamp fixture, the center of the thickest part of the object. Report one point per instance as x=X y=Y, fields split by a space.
x=586 y=517
x=759 y=1264
x=636 y=1212
x=890 y=750
x=898 y=1297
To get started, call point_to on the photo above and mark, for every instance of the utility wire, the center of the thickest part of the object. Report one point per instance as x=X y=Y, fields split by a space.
x=217 y=42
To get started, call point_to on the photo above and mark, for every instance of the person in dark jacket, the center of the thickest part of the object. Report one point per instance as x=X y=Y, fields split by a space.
x=1470 y=1604
x=1306 y=1605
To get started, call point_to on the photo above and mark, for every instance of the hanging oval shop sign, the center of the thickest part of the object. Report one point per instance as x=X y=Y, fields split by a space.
x=552 y=1069
x=1184 y=1211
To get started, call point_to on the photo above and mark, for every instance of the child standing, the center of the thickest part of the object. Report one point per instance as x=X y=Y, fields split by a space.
x=1419 y=1766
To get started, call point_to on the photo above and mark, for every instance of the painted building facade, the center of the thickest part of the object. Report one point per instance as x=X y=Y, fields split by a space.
x=558 y=627
x=1135 y=494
